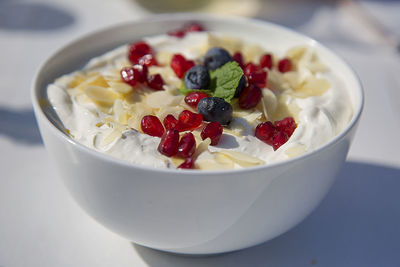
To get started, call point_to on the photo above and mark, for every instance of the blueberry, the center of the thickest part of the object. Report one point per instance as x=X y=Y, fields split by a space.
x=197 y=78
x=241 y=86
x=216 y=57
x=215 y=109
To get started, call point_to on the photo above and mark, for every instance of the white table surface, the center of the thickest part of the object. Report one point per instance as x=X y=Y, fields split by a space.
x=358 y=224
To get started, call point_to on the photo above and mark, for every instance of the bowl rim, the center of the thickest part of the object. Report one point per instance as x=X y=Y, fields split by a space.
x=188 y=17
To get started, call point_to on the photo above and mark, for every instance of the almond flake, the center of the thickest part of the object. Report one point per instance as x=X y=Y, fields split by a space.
x=100 y=94
x=242 y=159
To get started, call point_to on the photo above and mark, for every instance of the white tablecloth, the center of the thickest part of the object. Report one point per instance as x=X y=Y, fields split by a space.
x=358 y=224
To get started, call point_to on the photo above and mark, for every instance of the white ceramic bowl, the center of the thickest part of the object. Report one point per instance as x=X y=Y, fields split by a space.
x=193 y=212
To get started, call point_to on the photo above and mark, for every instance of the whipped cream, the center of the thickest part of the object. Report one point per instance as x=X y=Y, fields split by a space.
x=320 y=115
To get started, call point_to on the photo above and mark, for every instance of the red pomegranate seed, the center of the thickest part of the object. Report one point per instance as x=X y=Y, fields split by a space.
x=133 y=75
x=213 y=130
x=250 y=97
x=187 y=145
x=189 y=120
x=193 y=98
x=239 y=59
x=286 y=125
x=148 y=60
x=187 y=164
x=250 y=68
x=151 y=125
x=179 y=33
x=138 y=50
x=155 y=82
x=180 y=65
x=266 y=132
x=266 y=61
x=170 y=122
x=194 y=27
x=169 y=143
x=258 y=78
x=279 y=139
x=285 y=65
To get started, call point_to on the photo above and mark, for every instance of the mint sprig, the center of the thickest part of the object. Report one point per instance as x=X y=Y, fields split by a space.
x=223 y=82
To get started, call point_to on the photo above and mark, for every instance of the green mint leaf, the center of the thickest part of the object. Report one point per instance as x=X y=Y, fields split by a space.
x=184 y=90
x=225 y=80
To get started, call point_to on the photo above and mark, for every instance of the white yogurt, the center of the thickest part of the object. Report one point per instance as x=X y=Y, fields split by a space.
x=320 y=119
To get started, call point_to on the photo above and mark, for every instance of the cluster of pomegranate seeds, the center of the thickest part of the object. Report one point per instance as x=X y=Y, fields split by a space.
x=148 y=60
x=187 y=145
x=250 y=97
x=180 y=65
x=141 y=53
x=250 y=68
x=239 y=59
x=213 y=130
x=285 y=65
x=152 y=126
x=189 y=120
x=187 y=164
x=155 y=81
x=276 y=134
x=266 y=61
x=169 y=143
x=170 y=122
x=181 y=32
x=258 y=78
x=193 y=98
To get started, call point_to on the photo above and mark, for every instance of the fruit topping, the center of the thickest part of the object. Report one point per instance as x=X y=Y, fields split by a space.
x=169 y=143
x=180 y=65
x=193 y=98
x=250 y=68
x=287 y=125
x=187 y=145
x=191 y=27
x=216 y=57
x=148 y=60
x=187 y=164
x=279 y=139
x=189 y=120
x=265 y=132
x=242 y=84
x=213 y=130
x=197 y=78
x=285 y=65
x=133 y=75
x=170 y=122
x=215 y=109
x=258 y=78
x=138 y=50
x=239 y=59
x=250 y=97
x=155 y=82
x=152 y=126
x=266 y=61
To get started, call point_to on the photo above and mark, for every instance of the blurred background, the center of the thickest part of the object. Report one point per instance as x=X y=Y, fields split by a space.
x=357 y=224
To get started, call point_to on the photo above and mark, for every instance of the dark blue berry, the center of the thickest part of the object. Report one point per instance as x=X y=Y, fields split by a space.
x=215 y=109
x=216 y=57
x=197 y=78
x=241 y=86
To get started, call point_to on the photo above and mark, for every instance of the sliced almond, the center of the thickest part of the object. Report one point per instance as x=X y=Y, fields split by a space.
x=312 y=87
x=100 y=94
x=111 y=137
x=242 y=159
x=96 y=80
x=120 y=87
x=252 y=52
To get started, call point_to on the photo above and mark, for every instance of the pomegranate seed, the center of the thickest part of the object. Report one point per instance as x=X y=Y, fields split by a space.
x=287 y=125
x=250 y=68
x=148 y=60
x=285 y=65
x=266 y=132
x=152 y=126
x=180 y=65
x=193 y=98
x=170 y=122
x=169 y=143
x=179 y=33
x=266 y=61
x=213 y=130
x=250 y=97
x=138 y=50
x=133 y=75
x=189 y=120
x=187 y=164
x=239 y=59
x=258 y=78
x=279 y=139
x=155 y=82
x=187 y=145
x=194 y=27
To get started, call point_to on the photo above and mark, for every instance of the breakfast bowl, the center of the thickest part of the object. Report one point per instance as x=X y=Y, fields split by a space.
x=191 y=211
